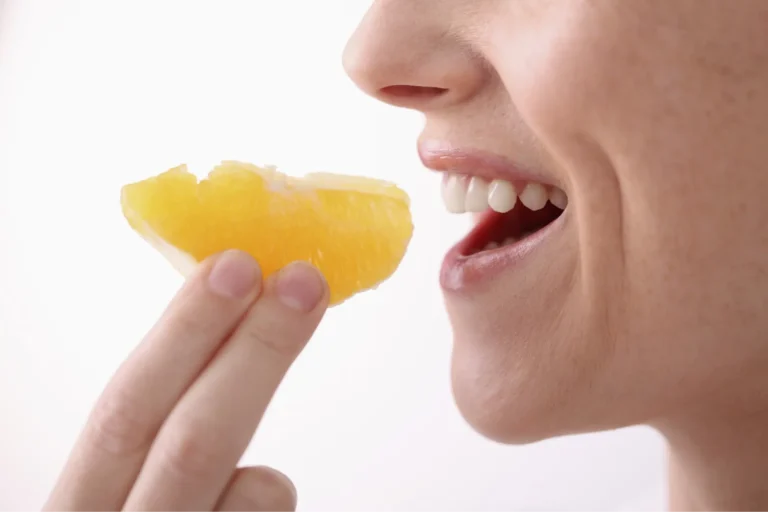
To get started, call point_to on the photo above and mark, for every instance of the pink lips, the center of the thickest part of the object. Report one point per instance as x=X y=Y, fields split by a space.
x=461 y=269
x=442 y=156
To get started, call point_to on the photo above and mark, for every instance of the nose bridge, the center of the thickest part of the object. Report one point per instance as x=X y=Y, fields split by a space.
x=403 y=52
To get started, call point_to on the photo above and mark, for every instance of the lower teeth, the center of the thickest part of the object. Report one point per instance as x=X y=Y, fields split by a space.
x=495 y=245
x=507 y=241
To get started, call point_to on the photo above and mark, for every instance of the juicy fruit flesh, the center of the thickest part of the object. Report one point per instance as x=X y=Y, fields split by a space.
x=354 y=230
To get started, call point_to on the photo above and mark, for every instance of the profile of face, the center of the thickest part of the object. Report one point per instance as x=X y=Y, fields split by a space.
x=643 y=298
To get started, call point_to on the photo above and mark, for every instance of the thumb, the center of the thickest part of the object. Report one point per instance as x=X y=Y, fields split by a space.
x=258 y=489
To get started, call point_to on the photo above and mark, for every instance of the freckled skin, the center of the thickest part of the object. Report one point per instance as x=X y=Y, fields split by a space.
x=649 y=306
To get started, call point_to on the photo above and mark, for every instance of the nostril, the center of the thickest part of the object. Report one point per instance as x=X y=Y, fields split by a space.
x=408 y=93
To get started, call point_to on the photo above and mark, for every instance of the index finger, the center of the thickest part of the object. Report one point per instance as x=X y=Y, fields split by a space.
x=109 y=454
x=200 y=444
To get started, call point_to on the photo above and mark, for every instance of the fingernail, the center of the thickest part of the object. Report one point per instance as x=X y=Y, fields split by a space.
x=234 y=274
x=287 y=483
x=300 y=287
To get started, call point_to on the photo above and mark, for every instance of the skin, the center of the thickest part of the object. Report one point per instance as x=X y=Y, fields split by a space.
x=645 y=308
x=648 y=306
x=170 y=427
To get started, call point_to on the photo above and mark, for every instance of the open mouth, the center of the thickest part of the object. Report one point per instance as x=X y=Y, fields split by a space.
x=508 y=213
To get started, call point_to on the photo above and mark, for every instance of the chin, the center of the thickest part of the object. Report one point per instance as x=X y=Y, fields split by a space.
x=514 y=387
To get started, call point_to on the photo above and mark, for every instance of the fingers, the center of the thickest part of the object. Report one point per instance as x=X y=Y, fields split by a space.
x=259 y=489
x=111 y=450
x=202 y=440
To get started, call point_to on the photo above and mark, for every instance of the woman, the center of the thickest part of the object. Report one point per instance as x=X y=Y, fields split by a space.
x=635 y=296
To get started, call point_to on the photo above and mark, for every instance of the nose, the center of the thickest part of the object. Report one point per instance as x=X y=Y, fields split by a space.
x=403 y=53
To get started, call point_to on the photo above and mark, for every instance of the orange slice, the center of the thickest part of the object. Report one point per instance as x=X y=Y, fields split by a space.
x=354 y=230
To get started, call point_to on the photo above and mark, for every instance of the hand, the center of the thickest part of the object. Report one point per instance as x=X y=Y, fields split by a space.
x=171 y=426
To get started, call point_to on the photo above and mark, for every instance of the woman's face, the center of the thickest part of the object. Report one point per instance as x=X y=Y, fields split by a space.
x=646 y=298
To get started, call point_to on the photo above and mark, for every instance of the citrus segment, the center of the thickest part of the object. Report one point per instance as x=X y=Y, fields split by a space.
x=354 y=230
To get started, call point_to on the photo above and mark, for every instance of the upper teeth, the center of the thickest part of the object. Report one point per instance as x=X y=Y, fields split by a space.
x=464 y=194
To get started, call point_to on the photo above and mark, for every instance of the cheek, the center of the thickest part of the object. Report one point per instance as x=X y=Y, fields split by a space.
x=665 y=150
x=556 y=70
x=562 y=78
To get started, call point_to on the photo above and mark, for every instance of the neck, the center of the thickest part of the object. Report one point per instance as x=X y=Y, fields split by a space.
x=718 y=459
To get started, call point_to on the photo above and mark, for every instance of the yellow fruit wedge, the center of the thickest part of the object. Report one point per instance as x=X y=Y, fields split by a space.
x=354 y=230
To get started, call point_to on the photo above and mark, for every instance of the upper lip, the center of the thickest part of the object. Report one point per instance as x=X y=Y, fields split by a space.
x=443 y=156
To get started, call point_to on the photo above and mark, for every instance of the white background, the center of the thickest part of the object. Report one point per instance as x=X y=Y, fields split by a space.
x=96 y=94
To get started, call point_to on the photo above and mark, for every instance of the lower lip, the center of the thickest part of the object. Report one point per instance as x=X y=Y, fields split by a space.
x=461 y=272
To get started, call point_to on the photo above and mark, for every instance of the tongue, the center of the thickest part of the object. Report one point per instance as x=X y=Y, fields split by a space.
x=494 y=229
x=521 y=221
x=502 y=228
